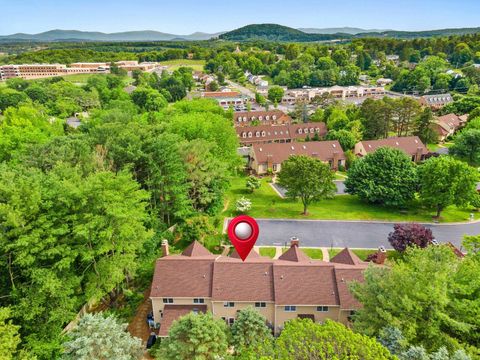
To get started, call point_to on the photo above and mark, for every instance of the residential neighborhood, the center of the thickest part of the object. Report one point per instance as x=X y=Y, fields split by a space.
x=267 y=183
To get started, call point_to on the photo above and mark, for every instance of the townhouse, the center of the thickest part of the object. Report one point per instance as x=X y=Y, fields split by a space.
x=272 y=117
x=293 y=286
x=410 y=145
x=436 y=102
x=264 y=134
x=339 y=92
x=446 y=125
x=265 y=158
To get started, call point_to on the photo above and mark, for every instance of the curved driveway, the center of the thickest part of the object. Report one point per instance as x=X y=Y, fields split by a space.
x=354 y=234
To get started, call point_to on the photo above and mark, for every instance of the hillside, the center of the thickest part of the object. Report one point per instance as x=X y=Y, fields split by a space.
x=343 y=30
x=275 y=32
x=144 y=35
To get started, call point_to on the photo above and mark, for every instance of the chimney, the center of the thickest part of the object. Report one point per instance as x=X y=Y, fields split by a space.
x=269 y=162
x=294 y=241
x=165 y=250
x=381 y=256
x=336 y=155
x=418 y=154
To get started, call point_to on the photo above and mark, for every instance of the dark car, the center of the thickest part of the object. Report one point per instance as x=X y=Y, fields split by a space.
x=152 y=339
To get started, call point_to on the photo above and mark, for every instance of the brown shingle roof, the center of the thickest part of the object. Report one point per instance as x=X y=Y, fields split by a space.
x=242 y=281
x=251 y=255
x=279 y=152
x=280 y=117
x=312 y=284
x=294 y=254
x=265 y=133
x=343 y=277
x=195 y=249
x=182 y=276
x=173 y=312
x=347 y=256
x=408 y=144
x=220 y=94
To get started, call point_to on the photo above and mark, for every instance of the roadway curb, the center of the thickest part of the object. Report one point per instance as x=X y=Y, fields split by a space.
x=225 y=222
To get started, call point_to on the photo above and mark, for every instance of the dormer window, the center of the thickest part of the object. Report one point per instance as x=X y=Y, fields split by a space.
x=274 y=117
x=244 y=135
x=257 y=134
x=300 y=131
x=311 y=130
x=249 y=134
x=263 y=134
x=260 y=118
x=267 y=117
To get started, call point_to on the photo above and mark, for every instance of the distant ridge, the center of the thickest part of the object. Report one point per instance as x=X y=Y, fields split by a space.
x=343 y=30
x=271 y=32
x=143 y=35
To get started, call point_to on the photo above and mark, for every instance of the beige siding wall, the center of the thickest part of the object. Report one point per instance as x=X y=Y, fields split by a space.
x=158 y=305
x=359 y=149
x=220 y=311
x=282 y=316
x=343 y=317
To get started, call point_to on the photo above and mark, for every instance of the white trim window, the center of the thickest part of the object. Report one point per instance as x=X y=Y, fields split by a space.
x=229 y=304
x=322 y=308
x=260 y=304
x=199 y=301
x=290 y=308
x=167 y=300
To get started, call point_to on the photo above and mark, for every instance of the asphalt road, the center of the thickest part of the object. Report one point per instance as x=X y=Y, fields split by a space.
x=353 y=234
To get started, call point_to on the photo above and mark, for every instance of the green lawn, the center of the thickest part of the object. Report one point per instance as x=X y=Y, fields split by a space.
x=267 y=204
x=3 y=84
x=363 y=253
x=340 y=175
x=333 y=252
x=79 y=78
x=313 y=253
x=267 y=251
x=196 y=65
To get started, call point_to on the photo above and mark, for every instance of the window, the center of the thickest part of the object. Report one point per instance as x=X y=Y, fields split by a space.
x=231 y=321
x=300 y=131
x=249 y=134
x=244 y=134
x=290 y=308
x=260 y=305
x=198 y=301
x=263 y=133
x=274 y=167
x=167 y=300
x=322 y=308
x=224 y=318
x=274 y=117
x=229 y=304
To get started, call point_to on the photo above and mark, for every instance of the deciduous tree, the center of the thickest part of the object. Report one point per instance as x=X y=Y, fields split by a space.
x=306 y=178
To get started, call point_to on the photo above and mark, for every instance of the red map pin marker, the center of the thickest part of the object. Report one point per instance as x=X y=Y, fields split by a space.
x=243 y=233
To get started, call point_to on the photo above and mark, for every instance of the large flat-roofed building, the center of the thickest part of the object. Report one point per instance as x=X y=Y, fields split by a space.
x=284 y=289
x=410 y=145
x=269 y=157
x=265 y=134
x=38 y=71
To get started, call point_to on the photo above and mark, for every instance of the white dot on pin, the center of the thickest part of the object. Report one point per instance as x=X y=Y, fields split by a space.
x=243 y=230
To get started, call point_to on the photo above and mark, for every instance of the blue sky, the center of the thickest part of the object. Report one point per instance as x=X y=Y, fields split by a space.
x=187 y=16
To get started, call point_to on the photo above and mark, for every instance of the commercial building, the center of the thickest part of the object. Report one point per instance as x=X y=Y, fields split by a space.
x=294 y=286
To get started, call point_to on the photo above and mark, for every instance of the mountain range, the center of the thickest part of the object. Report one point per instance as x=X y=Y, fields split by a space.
x=272 y=32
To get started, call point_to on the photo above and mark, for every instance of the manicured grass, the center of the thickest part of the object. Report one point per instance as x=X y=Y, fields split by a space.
x=340 y=175
x=3 y=84
x=333 y=252
x=196 y=65
x=363 y=253
x=268 y=251
x=313 y=253
x=267 y=204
